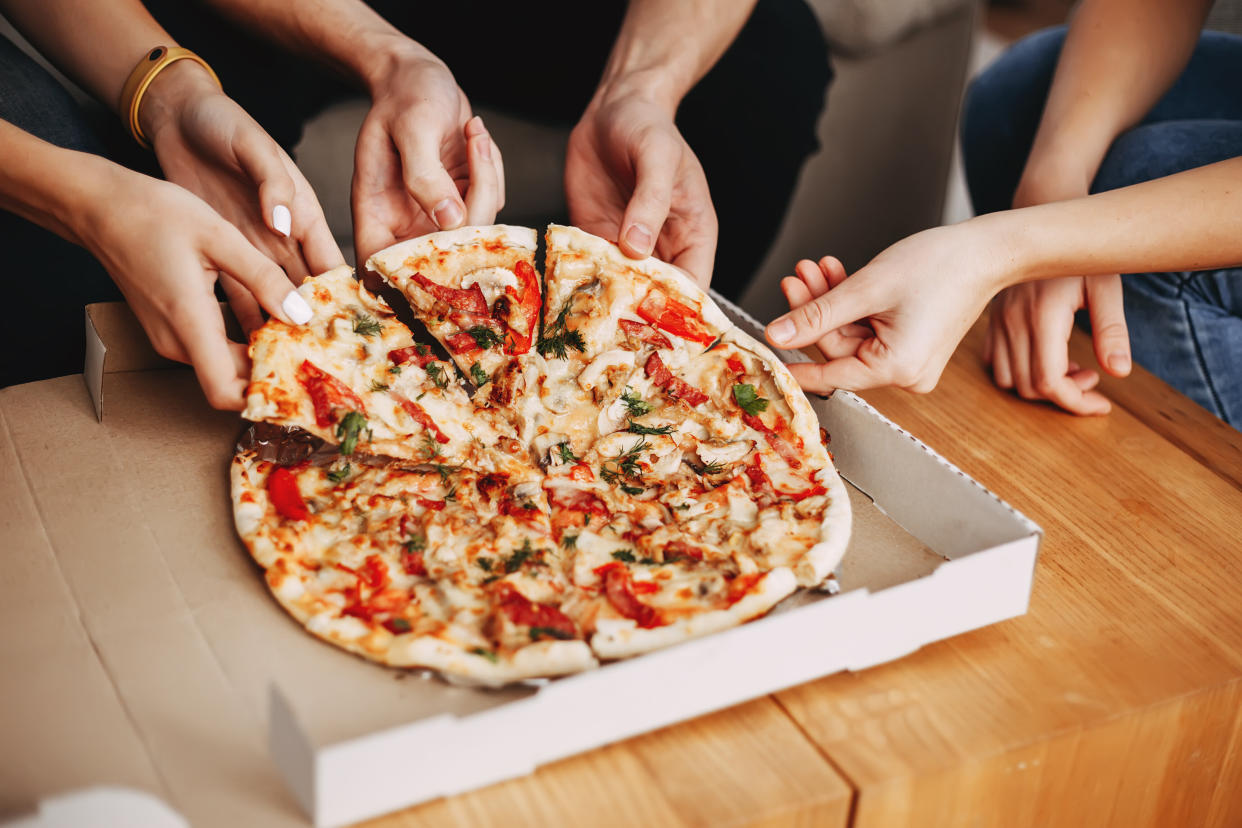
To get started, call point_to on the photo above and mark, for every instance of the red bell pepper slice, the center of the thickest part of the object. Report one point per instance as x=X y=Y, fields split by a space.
x=419 y=354
x=282 y=490
x=665 y=312
x=526 y=296
x=328 y=394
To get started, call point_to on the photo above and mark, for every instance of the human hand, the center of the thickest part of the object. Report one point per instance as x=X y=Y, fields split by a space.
x=422 y=163
x=207 y=144
x=630 y=176
x=164 y=248
x=915 y=300
x=1029 y=327
x=1028 y=334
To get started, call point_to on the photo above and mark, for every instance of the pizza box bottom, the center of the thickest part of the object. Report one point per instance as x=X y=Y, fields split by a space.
x=142 y=650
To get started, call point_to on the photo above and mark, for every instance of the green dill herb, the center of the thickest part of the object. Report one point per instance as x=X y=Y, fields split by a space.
x=711 y=468
x=430 y=447
x=623 y=555
x=488 y=654
x=745 y=395
x=478 y=376
x=416 y=543
x=635 y=404
x=567 y=453
x=339 y=475
x=514 y=562
x=377 y=386
x=557 y=340
x=681 y=507
x=639 y=428
x=569 y=541
x=483 y=336
x=349 y=430
x=436 y=372
x=484 y=564
x=396 y=369
x=396 y=626
x=490 y=579
x=632 y=490
x=649 y=561
x=537 y=633
x=365 y=325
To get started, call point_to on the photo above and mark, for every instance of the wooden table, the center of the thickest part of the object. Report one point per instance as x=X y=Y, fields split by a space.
x=1116 y=700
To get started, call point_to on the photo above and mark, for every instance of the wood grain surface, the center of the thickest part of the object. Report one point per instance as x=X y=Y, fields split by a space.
x=1117 y=700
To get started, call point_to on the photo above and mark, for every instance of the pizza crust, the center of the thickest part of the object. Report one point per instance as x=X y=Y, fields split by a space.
x=622 y=638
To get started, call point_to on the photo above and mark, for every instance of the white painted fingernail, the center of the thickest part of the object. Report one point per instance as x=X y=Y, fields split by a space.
x=782 y=330
x=282 y=221
x=295 y=308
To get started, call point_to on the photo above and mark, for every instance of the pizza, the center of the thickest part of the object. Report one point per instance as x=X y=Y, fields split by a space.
x=603 y=465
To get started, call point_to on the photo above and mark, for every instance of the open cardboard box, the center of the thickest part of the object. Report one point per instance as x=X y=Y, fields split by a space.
x=141 y=648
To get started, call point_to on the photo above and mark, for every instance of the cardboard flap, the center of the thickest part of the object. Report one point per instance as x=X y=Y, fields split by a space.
x=116 y=343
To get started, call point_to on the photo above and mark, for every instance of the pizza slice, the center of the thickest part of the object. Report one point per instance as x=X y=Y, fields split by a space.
x=605 y=317
x=446 y=568
x=477 y=292
x=355 y=377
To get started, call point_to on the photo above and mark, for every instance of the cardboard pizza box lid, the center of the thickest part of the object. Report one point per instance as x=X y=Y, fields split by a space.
x=143 y=650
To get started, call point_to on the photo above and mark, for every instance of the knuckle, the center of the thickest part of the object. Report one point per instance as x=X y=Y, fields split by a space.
x=812 y=316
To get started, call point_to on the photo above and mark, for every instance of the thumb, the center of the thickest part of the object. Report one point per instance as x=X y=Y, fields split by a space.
x=655 y=168
x=1108 y=324
x=806 y=323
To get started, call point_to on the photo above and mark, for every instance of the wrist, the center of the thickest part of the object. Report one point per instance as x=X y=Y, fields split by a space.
x=170 y=93
x=387 y=56
x=1002 y=242
x=651 y=85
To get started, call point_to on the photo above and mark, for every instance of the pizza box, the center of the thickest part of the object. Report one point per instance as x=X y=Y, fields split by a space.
x=142 y=651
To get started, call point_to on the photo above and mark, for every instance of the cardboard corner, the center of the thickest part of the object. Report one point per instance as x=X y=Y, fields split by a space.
x=116 y=343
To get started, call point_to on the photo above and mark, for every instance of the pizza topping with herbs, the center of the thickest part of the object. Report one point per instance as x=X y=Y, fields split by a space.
x=675 y=387
x=329 y=396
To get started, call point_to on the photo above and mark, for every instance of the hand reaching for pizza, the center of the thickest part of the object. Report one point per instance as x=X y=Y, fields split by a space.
x=630 y=176
x=421 y=163
x=917 y=299
x=1028 y=331
x=207 y=144
x=1030 y=324
x=164 y=248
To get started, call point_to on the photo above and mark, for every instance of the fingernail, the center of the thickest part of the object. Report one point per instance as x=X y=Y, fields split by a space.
x=295 y=308
x=447 y=214
x=475 y=126
x=282 y=220
x=639 y=238
x=781 y=331
x=1119 y=362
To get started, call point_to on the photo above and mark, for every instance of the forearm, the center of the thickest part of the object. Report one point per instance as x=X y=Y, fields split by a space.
x=1119 y=58
x=48 y=185
x=1188 y=221
x=97 y=44
x=665 y=48
x=344 y=34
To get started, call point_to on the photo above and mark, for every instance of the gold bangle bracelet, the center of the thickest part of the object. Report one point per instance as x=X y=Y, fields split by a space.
x=154 y=62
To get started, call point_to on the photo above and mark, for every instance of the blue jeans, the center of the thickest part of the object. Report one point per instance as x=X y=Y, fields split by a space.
x=1185 y=327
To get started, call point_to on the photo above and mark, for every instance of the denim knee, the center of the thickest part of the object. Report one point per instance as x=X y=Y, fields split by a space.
x=1154 y=150
x=33 y=100
x=1000 y=115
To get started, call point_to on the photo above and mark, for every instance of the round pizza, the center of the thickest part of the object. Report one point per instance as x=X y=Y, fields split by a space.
x=582 y=467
